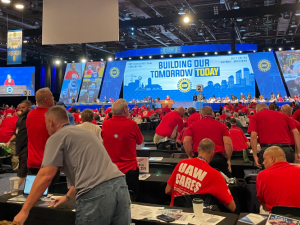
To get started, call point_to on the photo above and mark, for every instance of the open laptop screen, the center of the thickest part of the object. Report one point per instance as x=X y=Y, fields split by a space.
x=28 y=184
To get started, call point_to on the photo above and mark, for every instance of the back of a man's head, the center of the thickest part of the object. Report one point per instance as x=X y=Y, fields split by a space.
x=180 y=110
x=118 y=107
x=44 y=98
x=191 y=110
x=227 y=110
x=297 y=105
x=207 y=111
x=228 y=118
x=228 y=125
x=58 y=114
x=217 y=114
x=235 y=115
x=259 y=107
x=87 y=115
x=233 y=121
x=27 y=103
x=273 y=155
x=287 y=110
x=206 y=146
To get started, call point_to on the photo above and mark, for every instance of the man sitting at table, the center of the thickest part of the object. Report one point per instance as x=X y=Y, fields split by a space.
x=193 y=115
x=196 y=176
x=276 y=185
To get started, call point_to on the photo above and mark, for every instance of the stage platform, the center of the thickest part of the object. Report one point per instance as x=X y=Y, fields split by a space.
x=216 y=106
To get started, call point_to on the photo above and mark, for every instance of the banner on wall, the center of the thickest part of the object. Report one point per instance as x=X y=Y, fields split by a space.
x=14 y=47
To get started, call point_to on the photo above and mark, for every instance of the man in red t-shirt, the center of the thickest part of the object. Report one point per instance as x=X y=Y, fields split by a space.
x=193 y=116
x=170 y=126
x=287 y=110
x=276 y=185
x=143 y=107
x=8 y=128
x=223 y=116
x=76 y=115
x=166 y=109
x=72 y=74
x=238 y=138
x=210 y=128
x=36 y=130
x=120 y=137
x=135 y=109
x=272 y=128
x=296 y=115
x=196 y=176
x=8 y=110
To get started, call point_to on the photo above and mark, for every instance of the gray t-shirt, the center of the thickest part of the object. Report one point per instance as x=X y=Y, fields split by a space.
x=82 y=157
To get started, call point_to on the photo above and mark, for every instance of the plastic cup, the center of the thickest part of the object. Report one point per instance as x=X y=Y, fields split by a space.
x=198 y=207
x=14 y=185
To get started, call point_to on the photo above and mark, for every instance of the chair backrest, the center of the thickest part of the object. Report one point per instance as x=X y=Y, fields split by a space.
x=284 y=210
x=161 y=168
x=60 y=188
x=179 y=156
x=148 y=135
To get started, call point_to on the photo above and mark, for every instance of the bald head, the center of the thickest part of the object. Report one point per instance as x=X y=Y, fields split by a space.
x=273 y=155
x=56 y=117
x=287 y=110
x=44 y=98
x=259 y=107
x=180 y=110
x=206 y=145
x=207 y=111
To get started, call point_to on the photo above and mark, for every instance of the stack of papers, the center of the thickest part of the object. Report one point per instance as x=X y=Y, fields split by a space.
x=253 y=218
x=156 y=158
x=281 y=220
x=144 y=176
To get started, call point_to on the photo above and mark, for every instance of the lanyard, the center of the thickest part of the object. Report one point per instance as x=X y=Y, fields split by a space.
x=65 y=125
x=201 y=158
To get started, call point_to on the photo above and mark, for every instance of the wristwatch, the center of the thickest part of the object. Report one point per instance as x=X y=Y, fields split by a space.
x=68 y=197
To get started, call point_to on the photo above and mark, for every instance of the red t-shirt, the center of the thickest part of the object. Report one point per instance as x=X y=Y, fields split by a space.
x=296 y=115
x=8 y=128
x=7 y=111
x=239 y=140
x=207 y=127
x=241 y=106
x=70 y=74
x=223 y=117
x=120 y=137
x=161 y=117
x=159 y=111
x=37 y=136
x=94 y=122
x=108 y=110
x=166 y=109
x=195 y=176
x=76 y=117
x=245 y=110
x=168 y=98
x=185 y=123
x=236 y=109
x=135 y=109
x=143 y=107
x=236 y=127
x=146 y=114
x=140 y=115
x=272 y=127
x=182 y=135
x=277 y=185
x=297 y=124
x=168 y=124
x=193 y=118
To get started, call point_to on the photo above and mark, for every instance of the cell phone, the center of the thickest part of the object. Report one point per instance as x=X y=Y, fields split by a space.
x=165 y=218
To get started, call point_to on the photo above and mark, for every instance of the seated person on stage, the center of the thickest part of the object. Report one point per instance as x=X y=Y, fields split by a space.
x=196 y=176
x=276 y=185
x=133 y=101
x=168 y=98
x=170 y=126
x=291 y=99
x=238 y=138
x=193 y=115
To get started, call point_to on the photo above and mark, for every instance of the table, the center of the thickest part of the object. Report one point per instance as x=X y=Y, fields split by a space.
x=153 y=152
x=93 y=106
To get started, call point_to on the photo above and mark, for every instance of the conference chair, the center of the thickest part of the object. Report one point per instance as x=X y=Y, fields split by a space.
x=284 y=210
x=148 y=135
x=60 y=188
x=161 y=168
x=179 y=156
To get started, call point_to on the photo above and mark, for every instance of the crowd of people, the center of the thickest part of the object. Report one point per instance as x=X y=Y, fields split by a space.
x=99 y=162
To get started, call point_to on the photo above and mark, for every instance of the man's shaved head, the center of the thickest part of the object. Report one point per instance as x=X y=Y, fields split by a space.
x=259 y=107
x=44 y=98
x=207 y=111
x=206 y=145
x=56 y=117
x=180 y=110
x=273 y=155
x=287 y=110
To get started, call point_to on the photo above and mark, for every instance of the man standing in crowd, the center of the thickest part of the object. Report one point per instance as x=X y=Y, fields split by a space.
x=238 y=138
x=276 y=184
x=36 y=130
x=96 y=181
x=296 y=109
x=22 y=140
x=272 y=128
x=87 y=117
x=185 y=180
x=71 y=117
x=170 y=126
x=208 y=127
x=193 y=115
x=120 y=137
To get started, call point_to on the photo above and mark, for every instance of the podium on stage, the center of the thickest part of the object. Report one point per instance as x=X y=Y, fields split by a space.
x=168 y=103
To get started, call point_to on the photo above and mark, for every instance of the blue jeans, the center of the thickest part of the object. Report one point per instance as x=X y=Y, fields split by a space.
x=108 y=203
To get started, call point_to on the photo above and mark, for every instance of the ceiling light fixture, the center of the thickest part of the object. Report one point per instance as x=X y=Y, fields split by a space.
x=141 y=57
x=129 y=58
x=235 y=6
x=170 y=56
x=292 y=48
x=183 y=54
x=181 y=12
x=109 y=59
x=19 y=6
x=161 y=56
x=127 y=17
x=186 y=19
x=216 y=53
x=57 y=62
x=193 y=54
x=229 y=52
x=205 y=53
x=280 y=49
x=5 y=1
x=240 y=52
x=83 y=60
x=270 y=49
x=150 y=57
x=254 y=51
x=121 y=58
x=65 y=62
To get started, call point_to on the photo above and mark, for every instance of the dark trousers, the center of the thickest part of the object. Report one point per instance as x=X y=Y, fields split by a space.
x=146 y=119
x=288 y=150
x=132 y=180
x=55 y=180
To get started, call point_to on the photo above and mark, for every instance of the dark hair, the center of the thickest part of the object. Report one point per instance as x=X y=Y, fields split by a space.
x=110 y=114
x=272 y=107
x=26 y=102
x=233 y=121
x=87 y=115
x=191 y=110
x=228 y=118
x=73 y=110
x=228 y=125
x=97 y=117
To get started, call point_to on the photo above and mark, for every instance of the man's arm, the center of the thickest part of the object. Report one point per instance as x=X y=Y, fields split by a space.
x=297 y=143
x=40 y=184
x=228 y=150
x=187 y=144
x=168 y=189
x=253 y=142
x=231 y=206
x=71 y=194
x=10 y=140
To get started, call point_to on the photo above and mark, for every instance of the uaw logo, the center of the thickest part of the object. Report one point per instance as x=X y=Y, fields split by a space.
x=184 y=85
x=9 y=90
x=14 y=34
x=264 y=65
x=114 y=72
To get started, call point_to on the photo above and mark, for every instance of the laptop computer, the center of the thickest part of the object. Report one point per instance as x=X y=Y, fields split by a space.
x=27 y=188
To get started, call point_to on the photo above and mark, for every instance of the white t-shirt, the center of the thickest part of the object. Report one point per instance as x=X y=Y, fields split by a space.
x=93 y=128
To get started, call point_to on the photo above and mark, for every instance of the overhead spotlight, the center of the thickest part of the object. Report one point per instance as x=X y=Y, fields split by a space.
x=19 y=6
x=25 y=41
x=150 y=57
x=36 y=24
x=57 y=62
x=170 y=56
x=129 y=58
x=181 y=12
x=73 y=61
x=192 y=24
x=229 y=52
x=290 y=32
x=240 y=51
x=216 y=53
x=205 y=53
x=292 y=48
x=270 y=49
x=91 y=60
x=183 y=54
x=132 y=28
x=141 y=57
x=5 y=1
x=161 y=56
x=186 y=19
x=127 y=17
x=109 y=59
x=121 y=58
x=65 y=61
x=280 y=49
x=254 y=51
x=239 y=19
x=193 y=54
x=83 y=60
x=235 y=6
x=102 y=60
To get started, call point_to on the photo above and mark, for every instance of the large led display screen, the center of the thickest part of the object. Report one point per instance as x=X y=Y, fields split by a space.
x=91 y=83
x=220 y=75
x=72 y=82
x=289 y=62
x=15 y=80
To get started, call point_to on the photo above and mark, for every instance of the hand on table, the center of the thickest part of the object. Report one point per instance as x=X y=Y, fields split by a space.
x=21 y=218
x=59 y=201
x=256 y=163
x=297 y=158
